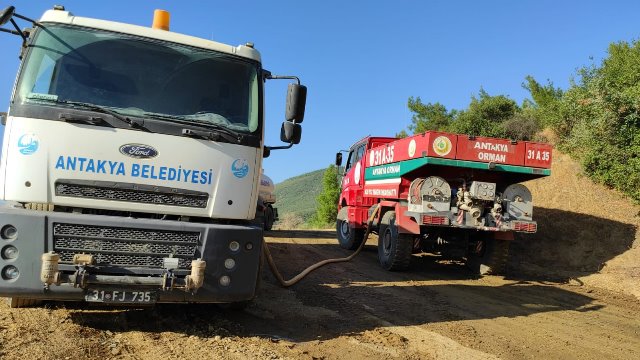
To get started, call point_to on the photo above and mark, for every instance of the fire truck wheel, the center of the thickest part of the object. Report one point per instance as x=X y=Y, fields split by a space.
x=394 y=249
x=349 y=237
x=488 y=256
x=16 y=302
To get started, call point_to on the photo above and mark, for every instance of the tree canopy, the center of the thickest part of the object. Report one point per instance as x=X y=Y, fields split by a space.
x=597 y=119
x=486 y=115
x=327 y=201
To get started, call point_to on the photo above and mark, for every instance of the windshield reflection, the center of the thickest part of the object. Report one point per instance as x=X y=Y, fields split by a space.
x=141 y=77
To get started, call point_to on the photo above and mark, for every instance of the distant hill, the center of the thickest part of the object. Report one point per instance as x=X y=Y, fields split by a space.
x=298 y=194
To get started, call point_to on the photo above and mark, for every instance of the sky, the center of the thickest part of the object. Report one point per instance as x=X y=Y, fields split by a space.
x=362 y=60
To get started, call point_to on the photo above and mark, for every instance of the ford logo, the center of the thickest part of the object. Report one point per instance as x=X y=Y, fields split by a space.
x=138 y=151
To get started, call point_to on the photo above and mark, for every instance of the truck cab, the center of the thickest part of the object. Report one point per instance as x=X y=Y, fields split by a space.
x=352 y=204
x=131 y=159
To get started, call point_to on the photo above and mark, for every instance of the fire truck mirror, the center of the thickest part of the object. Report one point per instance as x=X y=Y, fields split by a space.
x=290 y=132
x=296 y=100
x=339 y=159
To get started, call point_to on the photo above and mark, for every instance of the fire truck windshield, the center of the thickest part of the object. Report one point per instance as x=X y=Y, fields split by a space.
x=141 y=77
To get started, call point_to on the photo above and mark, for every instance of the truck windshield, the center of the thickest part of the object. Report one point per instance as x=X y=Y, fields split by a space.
x=140 y=77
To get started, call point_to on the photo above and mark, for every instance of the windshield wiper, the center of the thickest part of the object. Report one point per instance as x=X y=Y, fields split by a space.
x=216 y=131
x=136 y=124
x=82 y=119
x=214 y=135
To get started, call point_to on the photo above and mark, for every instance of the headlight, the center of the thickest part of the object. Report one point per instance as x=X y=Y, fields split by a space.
x=9 y=232
x=10 y=272
x=9 y=252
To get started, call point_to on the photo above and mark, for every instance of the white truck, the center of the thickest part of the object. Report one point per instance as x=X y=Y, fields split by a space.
x=132 y=156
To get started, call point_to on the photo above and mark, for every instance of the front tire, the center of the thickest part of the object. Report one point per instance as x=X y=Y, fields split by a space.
x=349 y=237
x=394 y=249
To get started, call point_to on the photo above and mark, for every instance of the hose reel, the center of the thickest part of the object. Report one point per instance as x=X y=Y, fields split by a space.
x=431 y=194
x=518 y=202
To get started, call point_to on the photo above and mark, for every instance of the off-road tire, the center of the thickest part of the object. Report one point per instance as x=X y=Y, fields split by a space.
x=491 y=259
x=349 y=237
x=394 y=249
x=17 y=302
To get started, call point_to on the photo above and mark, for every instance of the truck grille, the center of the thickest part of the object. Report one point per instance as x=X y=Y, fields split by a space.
x=125 y=246
x=132 y=193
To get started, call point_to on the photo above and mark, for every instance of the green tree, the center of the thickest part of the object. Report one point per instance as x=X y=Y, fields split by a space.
x=402 y=134
x=546 y=107
x=327 y=201
x=603 y=113
x=542 y=95
x=428 y=116
x=485 y=115
x=597 y=120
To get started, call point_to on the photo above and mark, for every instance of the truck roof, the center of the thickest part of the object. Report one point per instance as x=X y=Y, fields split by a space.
x=65 y=17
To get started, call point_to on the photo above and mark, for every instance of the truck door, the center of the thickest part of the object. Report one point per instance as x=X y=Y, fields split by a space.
x=353 y=181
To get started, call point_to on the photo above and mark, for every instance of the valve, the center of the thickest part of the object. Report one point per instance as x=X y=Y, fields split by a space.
x=49 y=273
x=195 y=280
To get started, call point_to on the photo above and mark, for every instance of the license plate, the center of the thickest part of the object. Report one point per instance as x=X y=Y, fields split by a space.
x=120 y=296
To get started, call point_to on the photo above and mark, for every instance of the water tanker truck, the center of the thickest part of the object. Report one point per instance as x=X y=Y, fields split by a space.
x=266 y=200
x=131 y=157
x=455 y=195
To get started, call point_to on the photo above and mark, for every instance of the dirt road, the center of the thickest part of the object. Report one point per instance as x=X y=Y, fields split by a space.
x=354 y=311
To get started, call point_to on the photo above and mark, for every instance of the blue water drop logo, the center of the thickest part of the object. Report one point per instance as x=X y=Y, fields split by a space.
x=240 y=168
x=28 y=144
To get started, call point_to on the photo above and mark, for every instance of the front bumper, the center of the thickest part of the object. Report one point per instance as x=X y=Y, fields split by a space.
x=136 y=262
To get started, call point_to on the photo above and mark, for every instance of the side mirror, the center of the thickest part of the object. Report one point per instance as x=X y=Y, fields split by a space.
x=3 y=118
x=296 y=101
x=339 y=159
x=6 y=15
x=290 y=132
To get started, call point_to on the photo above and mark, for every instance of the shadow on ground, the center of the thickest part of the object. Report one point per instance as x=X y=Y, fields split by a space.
x=321 y=310
x=569 y=244
x=348 y=298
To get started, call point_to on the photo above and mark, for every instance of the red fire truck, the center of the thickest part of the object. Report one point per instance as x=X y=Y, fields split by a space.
x=455 y=195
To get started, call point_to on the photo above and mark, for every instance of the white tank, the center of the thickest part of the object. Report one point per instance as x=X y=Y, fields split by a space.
x=267 y=189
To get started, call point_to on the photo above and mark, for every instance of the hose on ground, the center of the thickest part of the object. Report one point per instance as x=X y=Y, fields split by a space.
x=307 y=271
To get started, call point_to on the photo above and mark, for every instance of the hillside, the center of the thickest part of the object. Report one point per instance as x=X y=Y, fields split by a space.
x=297 y=195
x=586 y=232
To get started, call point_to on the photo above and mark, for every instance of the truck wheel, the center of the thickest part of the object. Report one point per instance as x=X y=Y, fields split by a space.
x=394 y=249
x=349 y=237
x=488 y=257
x=16 y=302
x=268 y=218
